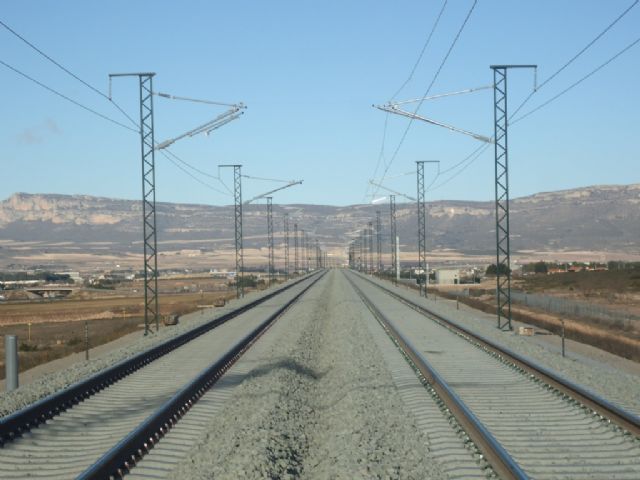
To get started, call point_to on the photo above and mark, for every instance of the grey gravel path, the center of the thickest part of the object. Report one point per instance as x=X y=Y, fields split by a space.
x=445 y=444
x=613 y=384
x=319 y=404
x=52 y=382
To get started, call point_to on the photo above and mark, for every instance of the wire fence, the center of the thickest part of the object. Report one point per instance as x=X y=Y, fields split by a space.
x=572 y=308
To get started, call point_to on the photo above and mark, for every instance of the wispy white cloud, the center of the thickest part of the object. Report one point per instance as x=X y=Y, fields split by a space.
x=37 y=134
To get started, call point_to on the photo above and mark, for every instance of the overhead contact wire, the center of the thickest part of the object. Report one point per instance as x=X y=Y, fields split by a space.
x=433 y=81
x=69 y=72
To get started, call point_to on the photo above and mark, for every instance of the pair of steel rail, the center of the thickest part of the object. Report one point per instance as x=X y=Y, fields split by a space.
x=124 y=455
x=499 y=459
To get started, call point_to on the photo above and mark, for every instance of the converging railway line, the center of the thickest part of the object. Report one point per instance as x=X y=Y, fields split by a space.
x=529 y=423
x=357 y=379
x=102 y=426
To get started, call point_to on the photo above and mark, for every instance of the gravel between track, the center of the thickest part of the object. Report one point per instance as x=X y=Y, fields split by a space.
x=321 y=404
x=603 y=379
x=53 y=382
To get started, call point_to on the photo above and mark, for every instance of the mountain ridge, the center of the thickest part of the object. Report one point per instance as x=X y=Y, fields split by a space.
x=599 y=218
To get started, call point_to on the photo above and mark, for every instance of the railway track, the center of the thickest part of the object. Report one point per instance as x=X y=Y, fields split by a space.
x=101 y=427
x=528 y=422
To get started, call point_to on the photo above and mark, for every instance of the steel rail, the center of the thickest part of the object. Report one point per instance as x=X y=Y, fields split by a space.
x=124 y=455
x=499 y=459
x=17 y=423
x=598 y=404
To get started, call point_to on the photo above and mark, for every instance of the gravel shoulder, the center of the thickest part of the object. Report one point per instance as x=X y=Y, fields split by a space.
x=50 y=378
x=319 y=403
x=597 y=370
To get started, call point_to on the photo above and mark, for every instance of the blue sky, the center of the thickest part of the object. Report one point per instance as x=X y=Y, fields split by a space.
x=309 y=73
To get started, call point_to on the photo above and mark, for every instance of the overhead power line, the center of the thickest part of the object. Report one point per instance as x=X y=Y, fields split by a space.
x=575 y=84
x=477 y=152
x=574 y=58
x=68 y=99
x=433 y=81
x=424 y=49
x=69 y=72
x=267 y=179
x=408 y=79
x=167 y=154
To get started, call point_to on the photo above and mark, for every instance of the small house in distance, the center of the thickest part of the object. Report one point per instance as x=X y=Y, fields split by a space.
x=447 y=276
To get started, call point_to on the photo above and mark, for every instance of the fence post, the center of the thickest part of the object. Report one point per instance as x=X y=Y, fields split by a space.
x=86 y=340
x=11 y=361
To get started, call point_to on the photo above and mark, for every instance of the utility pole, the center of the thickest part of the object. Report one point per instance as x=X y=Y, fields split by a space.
x=150 y=244
x=295 y=248
x=286 y=245
x=422 y=223
x=392 y=224
x=503 y=248
x=379 y=240
x=270 y=237
x=237 y=196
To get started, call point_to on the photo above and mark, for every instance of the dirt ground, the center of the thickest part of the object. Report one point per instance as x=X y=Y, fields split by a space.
x=46 y=341
x=48 y=329
x=624 y=342
x=176 y=295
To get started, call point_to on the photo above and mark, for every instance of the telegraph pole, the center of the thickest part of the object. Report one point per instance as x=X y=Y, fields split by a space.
x=237 y=196
x=270 y=237
x=150 y=244
x=503 y=248
x=392 y=222
x=379 y=240
x=286 y=245
x=295 y=248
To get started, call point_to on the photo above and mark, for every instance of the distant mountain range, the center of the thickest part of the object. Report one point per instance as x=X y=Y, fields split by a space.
x=597 y=218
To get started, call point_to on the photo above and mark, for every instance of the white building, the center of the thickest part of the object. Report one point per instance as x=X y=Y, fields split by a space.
x=447 y=276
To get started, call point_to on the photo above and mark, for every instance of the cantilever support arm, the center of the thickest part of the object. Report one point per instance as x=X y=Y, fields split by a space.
x=391 y=108
x=290 y=184
x=408 y=197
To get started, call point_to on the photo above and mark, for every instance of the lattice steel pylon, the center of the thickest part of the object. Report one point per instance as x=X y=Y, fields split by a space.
x=422 y=223
x=150 y=243
x=379 y=241
x=237 y=213
x=270 y=238
x=295 y=248
x=422 y=226
x=286 y=245
x=503 y=243
x=394 y=237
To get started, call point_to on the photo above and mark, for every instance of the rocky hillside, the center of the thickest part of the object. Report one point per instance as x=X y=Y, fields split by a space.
x=599 y=218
